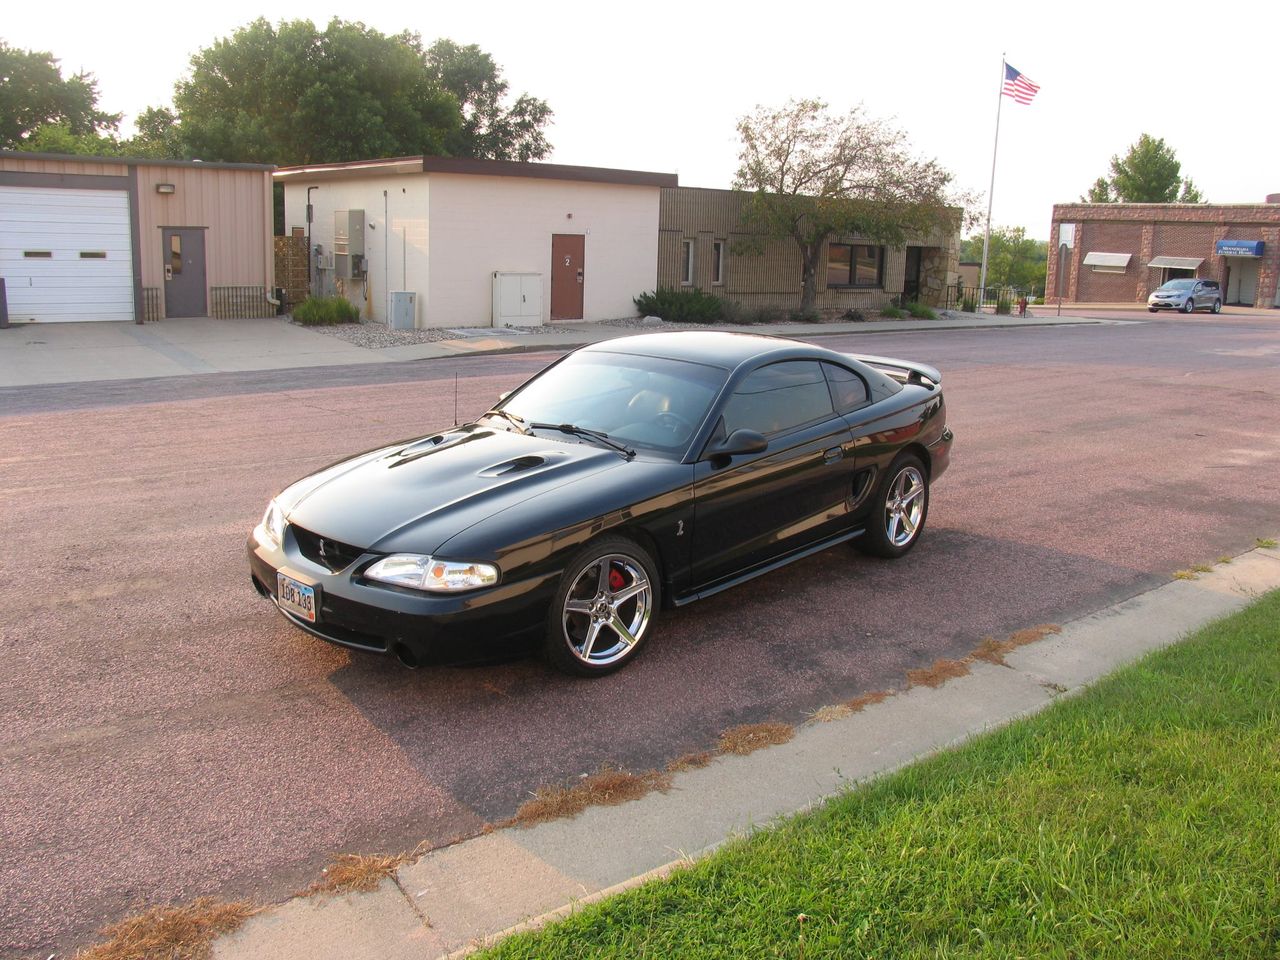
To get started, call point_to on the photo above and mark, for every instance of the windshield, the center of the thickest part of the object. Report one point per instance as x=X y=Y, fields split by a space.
x=1179 y=285
x=651 y=403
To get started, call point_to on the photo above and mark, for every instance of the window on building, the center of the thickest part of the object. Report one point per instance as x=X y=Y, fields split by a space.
x=93 y=254
x=854 y=265
x=38 y=254
x=686 y=262
x=175 y=254
x=717 y=261
x=779 y=397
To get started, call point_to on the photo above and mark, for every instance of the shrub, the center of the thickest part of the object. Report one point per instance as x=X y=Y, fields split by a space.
x=921 y=312
x=892 y=313
x=754 y=315
x=852 y=316
x=804 y=316
x=1004 y=304
x=323 y=311
x=969 y=305
x=681 y=306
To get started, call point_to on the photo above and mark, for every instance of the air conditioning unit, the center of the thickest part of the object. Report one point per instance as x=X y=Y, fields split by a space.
x=404 y=309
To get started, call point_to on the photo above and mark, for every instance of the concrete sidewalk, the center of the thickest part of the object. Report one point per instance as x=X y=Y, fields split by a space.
x=470 y=894
x=48 y=353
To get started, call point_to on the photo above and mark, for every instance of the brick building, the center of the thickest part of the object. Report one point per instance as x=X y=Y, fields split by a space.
x=1120 y=252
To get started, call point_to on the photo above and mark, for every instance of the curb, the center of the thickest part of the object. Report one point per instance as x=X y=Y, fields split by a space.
x=458 y=899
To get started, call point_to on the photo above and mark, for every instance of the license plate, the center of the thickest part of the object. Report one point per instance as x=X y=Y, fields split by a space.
x=296 y=598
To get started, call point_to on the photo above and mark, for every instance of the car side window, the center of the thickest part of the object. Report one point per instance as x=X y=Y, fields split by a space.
x=779 y=397
x=847 y=388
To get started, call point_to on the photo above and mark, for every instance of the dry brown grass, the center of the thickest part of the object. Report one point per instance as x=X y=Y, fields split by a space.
x=750 y=737
x=1184 y=575
x=993 y=651
x=691 y=761
x=939 y=673
x=1020 y=638
x=608 y=786
x=833 y=711
x=1225 y=558
x=169 y=933
x=838 y=711
x=1201 y=567
x=353 y=873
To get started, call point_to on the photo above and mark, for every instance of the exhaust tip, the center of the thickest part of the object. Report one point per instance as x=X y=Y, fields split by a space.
x=405 y=656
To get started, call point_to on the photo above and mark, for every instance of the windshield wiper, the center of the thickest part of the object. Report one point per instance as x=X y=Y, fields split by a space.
x=577 y=431
x=516 y=421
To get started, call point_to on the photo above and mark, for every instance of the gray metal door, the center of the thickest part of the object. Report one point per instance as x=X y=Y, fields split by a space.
x=184 y=275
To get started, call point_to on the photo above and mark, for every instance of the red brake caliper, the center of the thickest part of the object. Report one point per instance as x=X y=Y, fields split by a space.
x=616 y=582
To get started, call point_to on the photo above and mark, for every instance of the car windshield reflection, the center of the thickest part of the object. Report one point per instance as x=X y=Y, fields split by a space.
x=651 y=403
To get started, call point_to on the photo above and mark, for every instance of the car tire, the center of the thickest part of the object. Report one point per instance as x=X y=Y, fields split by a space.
x=1189 y=306
x=1153 y=309
x=605 y=608
x=1217 y=306
x=900 y=509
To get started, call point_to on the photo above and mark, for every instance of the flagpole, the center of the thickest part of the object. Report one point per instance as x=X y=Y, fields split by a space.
x=986 y=237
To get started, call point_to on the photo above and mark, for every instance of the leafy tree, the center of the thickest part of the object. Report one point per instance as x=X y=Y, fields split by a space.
x=489 y=130
x=1148 y=173
x=1013 y=258
x=34 y=94
x=292 y=93
x=813 y=176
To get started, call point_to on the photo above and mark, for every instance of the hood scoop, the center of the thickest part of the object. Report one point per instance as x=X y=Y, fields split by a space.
x=441 y=441
x=517 y=465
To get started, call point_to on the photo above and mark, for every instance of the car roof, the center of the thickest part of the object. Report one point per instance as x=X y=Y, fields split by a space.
x=713 y=347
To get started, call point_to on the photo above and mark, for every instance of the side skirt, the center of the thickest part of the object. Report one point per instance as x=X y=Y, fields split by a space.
x=767 y=568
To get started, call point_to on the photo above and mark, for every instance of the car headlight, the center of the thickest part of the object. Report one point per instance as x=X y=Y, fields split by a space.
x=436 y=576
x=270 y=531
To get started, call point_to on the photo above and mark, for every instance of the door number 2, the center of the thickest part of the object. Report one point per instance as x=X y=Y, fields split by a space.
x=567 y=262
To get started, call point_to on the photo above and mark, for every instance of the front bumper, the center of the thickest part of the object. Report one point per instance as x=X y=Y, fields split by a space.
x=1166 y=304
x=418 y=628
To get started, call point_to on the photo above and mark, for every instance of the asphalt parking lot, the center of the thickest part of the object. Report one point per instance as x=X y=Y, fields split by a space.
x=166 y=735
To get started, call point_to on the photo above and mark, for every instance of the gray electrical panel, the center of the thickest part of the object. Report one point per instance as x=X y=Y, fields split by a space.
x=348 y=244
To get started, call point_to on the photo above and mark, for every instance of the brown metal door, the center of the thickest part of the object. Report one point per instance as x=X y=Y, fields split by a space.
x=568 y=253
x=184 y=274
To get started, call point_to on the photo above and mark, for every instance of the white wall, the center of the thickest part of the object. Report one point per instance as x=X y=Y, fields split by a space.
x=481 y=224
x=396 y=236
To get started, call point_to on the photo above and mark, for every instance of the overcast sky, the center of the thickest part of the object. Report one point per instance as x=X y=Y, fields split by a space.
x=660 y=85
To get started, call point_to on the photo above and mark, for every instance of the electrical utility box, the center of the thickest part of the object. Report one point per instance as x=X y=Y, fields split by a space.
x=348 y=244
x=517 y=299
x=404 y=309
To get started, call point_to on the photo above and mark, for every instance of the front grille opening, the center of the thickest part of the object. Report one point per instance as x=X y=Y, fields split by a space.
x=331 y=554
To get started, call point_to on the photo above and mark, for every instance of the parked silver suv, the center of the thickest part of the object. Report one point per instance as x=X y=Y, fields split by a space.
x=1186 y=294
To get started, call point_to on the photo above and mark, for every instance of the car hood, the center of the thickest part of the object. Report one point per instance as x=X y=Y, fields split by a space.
x=415 y=496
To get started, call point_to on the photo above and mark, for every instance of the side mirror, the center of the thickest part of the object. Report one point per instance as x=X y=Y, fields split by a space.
x=738 y=443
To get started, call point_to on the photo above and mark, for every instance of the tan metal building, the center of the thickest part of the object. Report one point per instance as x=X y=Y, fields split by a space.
x=699 y=230
x=98 y=238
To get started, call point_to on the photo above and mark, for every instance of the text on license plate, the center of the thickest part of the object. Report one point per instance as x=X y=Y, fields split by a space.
x=297 y=598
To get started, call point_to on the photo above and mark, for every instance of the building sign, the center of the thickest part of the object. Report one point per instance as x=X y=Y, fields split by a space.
x=1239 y=248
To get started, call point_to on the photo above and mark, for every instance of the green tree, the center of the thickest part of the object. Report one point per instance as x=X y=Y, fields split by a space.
x=813 y=176
x=34 y=94
x=489 y=130
x=1013 y=259
x=1148 y=173
x=292 y=93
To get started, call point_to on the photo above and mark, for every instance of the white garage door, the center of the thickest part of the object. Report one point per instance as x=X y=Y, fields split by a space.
x=66 y=254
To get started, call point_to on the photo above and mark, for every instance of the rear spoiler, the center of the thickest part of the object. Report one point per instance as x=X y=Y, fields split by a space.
x=901 y=370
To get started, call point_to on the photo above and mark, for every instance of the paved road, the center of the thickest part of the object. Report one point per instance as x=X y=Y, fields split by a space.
x=164 y=735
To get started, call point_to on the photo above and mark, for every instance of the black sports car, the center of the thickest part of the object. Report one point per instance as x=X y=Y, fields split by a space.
x=627 y=477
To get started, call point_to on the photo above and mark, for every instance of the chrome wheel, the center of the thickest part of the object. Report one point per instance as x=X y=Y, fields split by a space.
x=1189 y=305
x=904 y=506
x=1217 y=306
x=607 y=609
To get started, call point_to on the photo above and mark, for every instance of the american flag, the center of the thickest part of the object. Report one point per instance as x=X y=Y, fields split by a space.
x=1018 y=86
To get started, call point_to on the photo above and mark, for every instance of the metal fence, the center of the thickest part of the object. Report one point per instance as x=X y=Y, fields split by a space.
x=995 y=299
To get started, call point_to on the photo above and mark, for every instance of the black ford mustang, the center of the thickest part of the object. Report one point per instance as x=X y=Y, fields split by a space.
x=632 y=475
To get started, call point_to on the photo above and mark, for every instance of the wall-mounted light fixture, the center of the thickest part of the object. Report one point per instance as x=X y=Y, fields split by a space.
x=166 y=188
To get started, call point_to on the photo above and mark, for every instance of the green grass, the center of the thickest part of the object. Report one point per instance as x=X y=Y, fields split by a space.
x=1140 y=819
x=324 y=311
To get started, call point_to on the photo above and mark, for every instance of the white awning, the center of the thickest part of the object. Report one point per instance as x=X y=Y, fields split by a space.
x=1178 y=263
x=1107 y=259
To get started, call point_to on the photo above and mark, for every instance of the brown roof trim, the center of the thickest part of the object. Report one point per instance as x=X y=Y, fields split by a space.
x=349 y=166
x=134 y=161
x=547 y=171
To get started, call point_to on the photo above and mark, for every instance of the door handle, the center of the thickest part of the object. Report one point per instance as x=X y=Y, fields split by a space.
x=834 y=455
